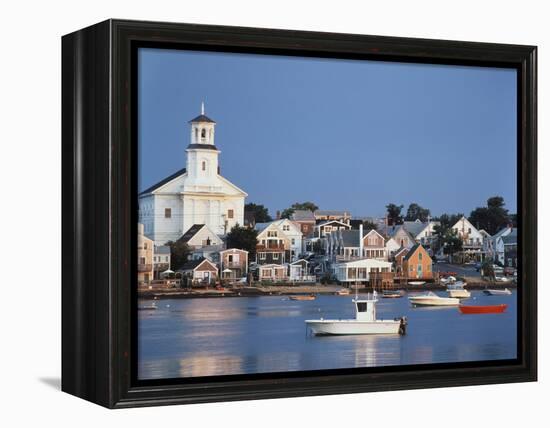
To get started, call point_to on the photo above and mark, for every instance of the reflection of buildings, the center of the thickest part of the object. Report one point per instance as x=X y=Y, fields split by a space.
x=210 y=365
x=145 y=257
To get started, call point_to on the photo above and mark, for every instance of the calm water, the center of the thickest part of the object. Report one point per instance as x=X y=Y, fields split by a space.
x=220 y=336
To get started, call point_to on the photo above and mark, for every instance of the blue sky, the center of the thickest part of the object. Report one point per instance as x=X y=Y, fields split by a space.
x=352 y=135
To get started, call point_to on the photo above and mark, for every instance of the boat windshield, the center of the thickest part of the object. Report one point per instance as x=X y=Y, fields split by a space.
x=361 y=306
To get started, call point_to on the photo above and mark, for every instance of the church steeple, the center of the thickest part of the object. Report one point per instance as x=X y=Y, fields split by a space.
x=202 y=129
x=202 y=154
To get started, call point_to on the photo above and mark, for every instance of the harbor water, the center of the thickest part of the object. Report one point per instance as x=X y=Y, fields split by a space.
x=242 y=335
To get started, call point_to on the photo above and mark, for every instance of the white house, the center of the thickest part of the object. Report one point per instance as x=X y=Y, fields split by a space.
x=197 y=194
x=355 y=271
x=287 y=229
x=422 y=232
x=472 y=239
x=392 y=247
x=200 y=235
x=498 y=244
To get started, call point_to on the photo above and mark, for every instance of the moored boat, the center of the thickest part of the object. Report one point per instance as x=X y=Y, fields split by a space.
x=343 y=292
x=457 y=290
x=365 y=321
x=302 y=297
x=496 y=292
x=488 y=309
x=432 y=299
x=150 y=307
x=392 y=294
x=417 y=283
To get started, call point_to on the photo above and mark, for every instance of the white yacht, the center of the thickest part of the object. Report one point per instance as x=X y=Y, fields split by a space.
x=432 y=299
x=365 y=321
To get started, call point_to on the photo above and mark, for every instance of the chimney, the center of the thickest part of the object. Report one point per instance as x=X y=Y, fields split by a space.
x=361 y=240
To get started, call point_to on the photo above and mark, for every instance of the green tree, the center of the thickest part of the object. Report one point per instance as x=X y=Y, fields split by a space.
x=415 y=212
x=369 y=225
x=451 y=243
x=179 y=253
x=394 y=214
x=307 y=206
x=260 y=213
x=487 y=269
x=493 y=217
x=243 y=238
x=443 y=229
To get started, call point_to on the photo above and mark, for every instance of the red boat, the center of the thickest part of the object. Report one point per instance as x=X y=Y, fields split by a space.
x=491 y=309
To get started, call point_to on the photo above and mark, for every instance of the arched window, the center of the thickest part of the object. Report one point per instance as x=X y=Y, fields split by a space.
x=203 y=133
x=204 y=165
x=196 y=134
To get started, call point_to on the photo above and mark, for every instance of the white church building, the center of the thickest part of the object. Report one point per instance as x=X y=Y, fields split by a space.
x=194 y=195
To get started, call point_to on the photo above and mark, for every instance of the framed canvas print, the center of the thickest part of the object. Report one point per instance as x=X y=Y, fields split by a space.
x=253 y=213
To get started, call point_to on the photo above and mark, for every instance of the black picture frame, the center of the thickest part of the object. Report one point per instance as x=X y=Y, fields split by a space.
x=99 y=192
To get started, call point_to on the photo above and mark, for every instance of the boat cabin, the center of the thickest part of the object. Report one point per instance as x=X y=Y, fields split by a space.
x=365 y=309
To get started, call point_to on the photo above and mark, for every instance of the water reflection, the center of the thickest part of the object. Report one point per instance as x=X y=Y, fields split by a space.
x=209 y=337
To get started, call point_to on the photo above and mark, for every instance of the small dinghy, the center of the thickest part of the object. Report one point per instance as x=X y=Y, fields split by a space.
x=302 y=297
x=389 y=294
x=151 y=307
x=492 y=292
x=490 y=309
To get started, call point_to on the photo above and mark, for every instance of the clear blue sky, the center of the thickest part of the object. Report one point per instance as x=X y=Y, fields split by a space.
x=352 y=135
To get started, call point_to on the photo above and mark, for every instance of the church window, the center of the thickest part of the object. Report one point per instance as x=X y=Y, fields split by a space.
x=203 y=133
x=196 y=134
x=230 y=213
x=167 y=212
x=204 y=165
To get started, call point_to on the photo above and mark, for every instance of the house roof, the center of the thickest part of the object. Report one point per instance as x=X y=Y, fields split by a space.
x=192 y=231
x=511 y=238
x=302 y=215
x=163 y=181
x=350 y=238
x=202 y=118
x=395 y=229
x=414 y=227
x=412 y=251
x=193 y=264
x=332 y=213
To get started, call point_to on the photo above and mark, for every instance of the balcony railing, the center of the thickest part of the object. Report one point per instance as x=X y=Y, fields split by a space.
x=144 y=267
x=270 y=247
x=234 y=264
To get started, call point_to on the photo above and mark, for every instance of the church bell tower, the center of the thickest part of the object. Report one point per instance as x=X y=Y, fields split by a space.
x=202 y=154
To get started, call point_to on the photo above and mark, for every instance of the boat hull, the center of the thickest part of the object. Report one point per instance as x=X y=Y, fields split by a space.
x=428 y=301
x=504 y=292
x=491 y=309
x=352 y=327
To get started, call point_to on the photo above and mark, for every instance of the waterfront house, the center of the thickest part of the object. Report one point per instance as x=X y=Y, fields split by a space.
x=161 y=260
x=199 y=272
x=233 y=263
x=401 y=236
x=322 y=216
x=210 y=252
x=196 y=194
x=200 y=235
x=472 y=240
x=359 y=271
x=273 y=245
x=324 y=228
x=373 y=245
x=273 y=272
x=276 y=233
x=145 y=257
x=299 y=271
x=398 y=258
x=416 y=264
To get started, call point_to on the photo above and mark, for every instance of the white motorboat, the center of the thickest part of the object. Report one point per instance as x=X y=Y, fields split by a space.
x=432 y=299
x=457 y=290
x=448 y=280
x=493 y=292
x=503 y=279
x=415 y=283
x=365 y=321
